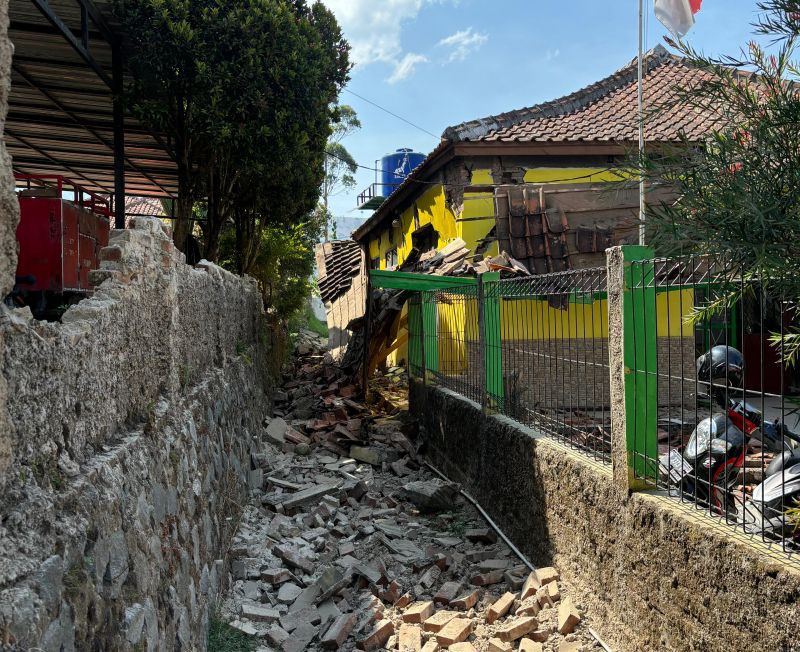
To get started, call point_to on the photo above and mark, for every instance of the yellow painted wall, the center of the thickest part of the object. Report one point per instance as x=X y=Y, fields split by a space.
x=473 y=224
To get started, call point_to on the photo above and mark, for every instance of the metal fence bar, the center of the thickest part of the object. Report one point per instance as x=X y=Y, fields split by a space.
x=724 y=438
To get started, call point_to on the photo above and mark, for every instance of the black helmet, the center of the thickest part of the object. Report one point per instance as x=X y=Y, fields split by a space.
x=721 y=363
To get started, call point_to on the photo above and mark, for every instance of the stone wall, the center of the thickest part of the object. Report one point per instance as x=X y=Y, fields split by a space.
x=9 y=216
x=133 y=421
x=655 y=575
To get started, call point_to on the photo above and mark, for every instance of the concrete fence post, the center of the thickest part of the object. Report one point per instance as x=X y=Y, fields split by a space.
x=632 y=366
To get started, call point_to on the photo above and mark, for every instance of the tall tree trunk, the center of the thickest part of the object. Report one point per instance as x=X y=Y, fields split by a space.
x=216 y=216
x=185 y=201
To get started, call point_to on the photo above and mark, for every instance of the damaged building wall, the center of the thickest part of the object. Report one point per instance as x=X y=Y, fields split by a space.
x=657 y=575
x=342 y=283
x=134 y=421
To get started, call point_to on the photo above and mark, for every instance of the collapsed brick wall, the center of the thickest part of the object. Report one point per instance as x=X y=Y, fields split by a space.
x=654 y=574
x=133 y=425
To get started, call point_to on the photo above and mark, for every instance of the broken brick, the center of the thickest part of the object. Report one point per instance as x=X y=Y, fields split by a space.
x=568 y=617
x=377 y=637
x=455 y=631
x=516 y=628
x=410 y=638
x=532 y=584
x=447 y=592
x=481 y=535
x=431 y=646
x=527 y=645
x=418 y=612
x=338 y=632
x=547 y=575
x=438 y=620
x=486 y=579
x=466 y=601
x=462 y=647
x=500 y=607
x=496 y=645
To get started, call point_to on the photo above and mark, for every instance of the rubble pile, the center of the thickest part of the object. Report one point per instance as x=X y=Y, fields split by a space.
x=350 y=542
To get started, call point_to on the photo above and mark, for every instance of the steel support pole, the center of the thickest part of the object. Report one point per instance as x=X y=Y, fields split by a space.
x=640 y=98
x=119 y=142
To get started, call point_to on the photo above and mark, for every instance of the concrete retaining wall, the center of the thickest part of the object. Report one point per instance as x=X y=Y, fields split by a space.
x=653 y=574
x=133 y=422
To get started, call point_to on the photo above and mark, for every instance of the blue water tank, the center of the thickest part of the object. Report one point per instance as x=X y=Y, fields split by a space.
x=396 y=167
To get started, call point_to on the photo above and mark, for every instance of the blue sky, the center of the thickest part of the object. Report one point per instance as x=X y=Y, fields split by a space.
x=441 y=62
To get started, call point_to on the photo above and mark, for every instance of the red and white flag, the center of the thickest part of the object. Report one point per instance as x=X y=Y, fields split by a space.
x=677 y=15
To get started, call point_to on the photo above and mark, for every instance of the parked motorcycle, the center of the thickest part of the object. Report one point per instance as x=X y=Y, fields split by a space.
x=723 y=366
x=709 y=466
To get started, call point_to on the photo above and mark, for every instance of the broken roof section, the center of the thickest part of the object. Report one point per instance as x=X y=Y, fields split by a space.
x=149 y=206
x=339 y=263
x=605 y=111
x=602 y=114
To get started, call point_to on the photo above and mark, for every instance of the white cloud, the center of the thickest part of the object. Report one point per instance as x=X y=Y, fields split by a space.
x=373 y=28
x=374 y=31
x=405 y=67
x=552 y=54
x=462 y=43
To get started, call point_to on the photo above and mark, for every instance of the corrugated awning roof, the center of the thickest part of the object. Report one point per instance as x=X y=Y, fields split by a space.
x=60 y=114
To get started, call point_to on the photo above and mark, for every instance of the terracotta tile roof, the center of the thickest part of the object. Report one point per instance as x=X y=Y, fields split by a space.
x=143 y=206
x=606 y=111
x=342 y=265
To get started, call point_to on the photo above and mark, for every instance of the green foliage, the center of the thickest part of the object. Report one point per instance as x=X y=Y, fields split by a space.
x=224 y=638
x=739 y=191
x=246 y=89
x=340 y=166
x=307 y=319
x=282 y=265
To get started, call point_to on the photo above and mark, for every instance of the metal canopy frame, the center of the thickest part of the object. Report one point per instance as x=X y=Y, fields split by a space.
x=65 y=113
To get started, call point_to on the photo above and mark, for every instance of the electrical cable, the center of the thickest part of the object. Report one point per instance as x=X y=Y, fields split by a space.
x=467 y=185
x=399 y=117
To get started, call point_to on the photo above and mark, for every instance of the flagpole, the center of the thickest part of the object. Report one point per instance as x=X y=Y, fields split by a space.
x=641 y=122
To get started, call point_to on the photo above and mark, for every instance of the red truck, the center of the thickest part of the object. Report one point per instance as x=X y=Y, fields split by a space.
x=61 y=230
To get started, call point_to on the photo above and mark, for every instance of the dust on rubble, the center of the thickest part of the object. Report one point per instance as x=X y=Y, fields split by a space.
x=350 y=542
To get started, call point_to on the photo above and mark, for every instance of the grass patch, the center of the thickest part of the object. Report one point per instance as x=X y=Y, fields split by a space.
x=224 y=638
x=306 y=319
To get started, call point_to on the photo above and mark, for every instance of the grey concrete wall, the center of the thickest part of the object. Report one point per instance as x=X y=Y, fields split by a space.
x=134 y=421
x=653 y=574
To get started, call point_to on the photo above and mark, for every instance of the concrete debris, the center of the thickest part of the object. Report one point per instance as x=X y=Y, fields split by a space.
x=348 y=542
x=431 y=495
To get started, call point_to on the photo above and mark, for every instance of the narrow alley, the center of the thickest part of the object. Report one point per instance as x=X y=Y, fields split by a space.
x=350 y=541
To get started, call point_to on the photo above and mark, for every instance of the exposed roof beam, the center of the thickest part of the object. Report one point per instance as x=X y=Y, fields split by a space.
x=43 y=153
x=66 y=32
x=32 y=83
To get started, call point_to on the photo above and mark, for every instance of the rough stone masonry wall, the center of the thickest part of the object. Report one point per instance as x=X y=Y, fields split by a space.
x=9 y=216
x=657 y=575
x=132 y=422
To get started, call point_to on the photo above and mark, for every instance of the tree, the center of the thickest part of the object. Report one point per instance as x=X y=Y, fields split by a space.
x=739 y=193
x=340 y=166
x=164 y=49
x=258 y=78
